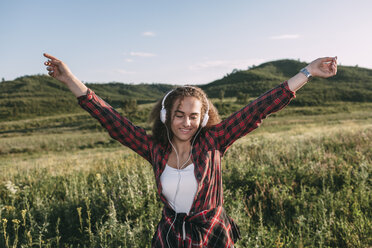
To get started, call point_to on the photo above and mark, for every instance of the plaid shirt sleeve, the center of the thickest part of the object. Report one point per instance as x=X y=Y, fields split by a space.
x=250 y=117
x=119 y=127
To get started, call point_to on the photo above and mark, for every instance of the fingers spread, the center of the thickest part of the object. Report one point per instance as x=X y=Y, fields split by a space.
x=49 y=56
x=52 y=62
x=327 y=60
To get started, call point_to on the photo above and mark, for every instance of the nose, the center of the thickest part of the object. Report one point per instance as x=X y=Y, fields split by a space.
x=187 y=122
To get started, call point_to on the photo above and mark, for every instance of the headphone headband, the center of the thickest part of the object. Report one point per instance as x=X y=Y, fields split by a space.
x=163 y=111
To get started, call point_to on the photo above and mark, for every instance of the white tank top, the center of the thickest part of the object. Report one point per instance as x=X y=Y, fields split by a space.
x=186 y=189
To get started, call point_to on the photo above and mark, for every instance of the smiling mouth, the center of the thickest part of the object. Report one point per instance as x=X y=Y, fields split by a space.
x=185 y=130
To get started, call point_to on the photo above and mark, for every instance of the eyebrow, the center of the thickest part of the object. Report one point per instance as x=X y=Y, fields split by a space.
x=179 y=111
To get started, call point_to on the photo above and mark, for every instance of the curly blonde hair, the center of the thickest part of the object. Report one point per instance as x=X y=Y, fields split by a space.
x=159 y=130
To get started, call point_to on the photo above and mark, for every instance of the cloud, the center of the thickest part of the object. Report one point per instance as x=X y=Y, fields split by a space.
x=128 y=60
x=225 y=64
x=148 y=34
x=285 y=37
x=142 y=54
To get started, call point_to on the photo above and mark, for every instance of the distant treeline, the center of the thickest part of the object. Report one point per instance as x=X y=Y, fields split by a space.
x=41 y=95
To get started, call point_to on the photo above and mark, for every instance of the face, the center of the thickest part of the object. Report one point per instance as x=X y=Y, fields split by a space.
x=186 y=114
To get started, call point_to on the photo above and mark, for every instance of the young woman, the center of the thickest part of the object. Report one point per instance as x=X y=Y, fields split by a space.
x=185 y=149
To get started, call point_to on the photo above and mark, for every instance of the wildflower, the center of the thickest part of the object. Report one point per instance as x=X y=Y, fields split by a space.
x=11 y=187
x=80 y=219
x=9 y=208
x=98 y=176
x=16 y=221
x=29 y=238
x=23 y=213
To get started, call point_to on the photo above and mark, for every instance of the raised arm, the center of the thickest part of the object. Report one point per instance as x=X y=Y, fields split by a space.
x=118 y=127
x=322 y=67
x=250 y=117
x=60 y=71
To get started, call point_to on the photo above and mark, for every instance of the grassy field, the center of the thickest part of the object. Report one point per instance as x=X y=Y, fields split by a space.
x=301 y=180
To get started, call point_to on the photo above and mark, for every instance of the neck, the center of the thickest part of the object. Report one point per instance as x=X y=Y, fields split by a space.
x=183 y=147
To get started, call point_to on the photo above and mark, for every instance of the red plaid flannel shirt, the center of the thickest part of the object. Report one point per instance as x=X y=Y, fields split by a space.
x=207 y=224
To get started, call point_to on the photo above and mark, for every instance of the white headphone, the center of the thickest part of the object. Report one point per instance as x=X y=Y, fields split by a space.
x=163 y=111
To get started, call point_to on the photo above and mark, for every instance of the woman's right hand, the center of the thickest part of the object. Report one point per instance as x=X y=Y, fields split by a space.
x=60 y=71
x=57 y=69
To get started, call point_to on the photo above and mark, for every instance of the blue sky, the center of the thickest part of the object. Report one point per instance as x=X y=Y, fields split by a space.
x=178 y=42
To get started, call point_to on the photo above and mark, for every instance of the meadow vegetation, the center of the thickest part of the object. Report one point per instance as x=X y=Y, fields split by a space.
x=297 y=181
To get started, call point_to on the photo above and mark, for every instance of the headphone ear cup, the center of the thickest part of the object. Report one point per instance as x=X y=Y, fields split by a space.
x=163 y=115
x=205 y=120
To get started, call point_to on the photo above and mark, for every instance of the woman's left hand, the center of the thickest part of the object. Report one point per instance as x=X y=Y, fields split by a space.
x=323 y=67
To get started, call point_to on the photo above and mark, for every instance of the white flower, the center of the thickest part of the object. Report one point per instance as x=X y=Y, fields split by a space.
x=11 y=187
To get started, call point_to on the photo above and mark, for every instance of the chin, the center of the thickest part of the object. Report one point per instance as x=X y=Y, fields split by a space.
x=184 y=137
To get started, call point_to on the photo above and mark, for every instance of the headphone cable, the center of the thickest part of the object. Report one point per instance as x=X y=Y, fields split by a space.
x=179 y=175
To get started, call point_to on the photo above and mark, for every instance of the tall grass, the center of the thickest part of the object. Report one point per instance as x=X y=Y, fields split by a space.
x=311 y=190
x=304 y=186
x=111 y=205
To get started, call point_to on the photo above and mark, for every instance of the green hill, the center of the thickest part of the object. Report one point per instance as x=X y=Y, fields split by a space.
x=41 y=95
x=34 y=95
x=352 y=84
